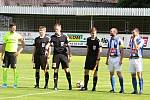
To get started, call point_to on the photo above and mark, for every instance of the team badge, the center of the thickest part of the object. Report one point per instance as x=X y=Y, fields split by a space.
x=112 y=51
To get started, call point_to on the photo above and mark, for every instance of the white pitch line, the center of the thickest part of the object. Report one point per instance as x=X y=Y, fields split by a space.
x=25 y=95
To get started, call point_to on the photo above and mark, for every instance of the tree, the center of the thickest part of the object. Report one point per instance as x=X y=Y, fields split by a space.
x=134 y=3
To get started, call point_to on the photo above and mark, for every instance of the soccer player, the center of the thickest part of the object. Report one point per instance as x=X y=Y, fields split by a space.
x=60 y=54
x=136 y=50
x=114 y=58
x=13 y=44
x=94 y=48
x=40 y=57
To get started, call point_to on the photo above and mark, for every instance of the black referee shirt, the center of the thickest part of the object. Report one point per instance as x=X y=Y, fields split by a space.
x=93 y=46
x=59 y=44
x=40 y=44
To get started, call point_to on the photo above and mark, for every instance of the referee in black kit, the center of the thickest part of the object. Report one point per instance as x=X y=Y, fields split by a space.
x=94 y=49
x=39 y=57
x=60 y=54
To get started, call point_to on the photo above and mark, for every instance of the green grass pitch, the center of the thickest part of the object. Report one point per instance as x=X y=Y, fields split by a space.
x=25 y=90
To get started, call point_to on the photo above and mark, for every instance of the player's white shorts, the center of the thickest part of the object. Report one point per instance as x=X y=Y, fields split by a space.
x=136 y=65
x=113 y=64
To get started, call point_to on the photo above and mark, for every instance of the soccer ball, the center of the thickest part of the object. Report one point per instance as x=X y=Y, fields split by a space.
x=79 y=84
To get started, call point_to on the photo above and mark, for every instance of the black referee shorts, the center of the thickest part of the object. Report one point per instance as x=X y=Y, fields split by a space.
x=41 y=62
x=9 y=59
x=90 y=63
x=60 y=58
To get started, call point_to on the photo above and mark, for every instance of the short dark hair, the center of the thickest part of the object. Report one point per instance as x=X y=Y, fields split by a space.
x=57 y=24
x=11 y=25
x=93 y=29
x=136 y=29
x=115 y=29
x=41 y=27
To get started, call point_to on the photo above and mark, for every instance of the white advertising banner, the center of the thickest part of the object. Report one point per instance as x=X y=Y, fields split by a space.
x=79 y=39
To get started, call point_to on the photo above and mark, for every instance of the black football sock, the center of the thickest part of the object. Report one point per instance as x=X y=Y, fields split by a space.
x=55 y=79
x=46 y=78
x=95 y=81
x=86 y=79
x=68 y=75
x=37 y=77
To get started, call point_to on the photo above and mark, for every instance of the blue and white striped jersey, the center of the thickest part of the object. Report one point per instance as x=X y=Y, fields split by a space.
x=133 y=51
x=114 y=44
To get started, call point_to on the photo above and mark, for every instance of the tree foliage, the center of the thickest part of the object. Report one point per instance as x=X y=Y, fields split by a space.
x=134 y=3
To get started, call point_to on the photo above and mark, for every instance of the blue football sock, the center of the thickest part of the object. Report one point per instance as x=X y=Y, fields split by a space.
x=141 y=84
x=112 y=79
x=134 y=83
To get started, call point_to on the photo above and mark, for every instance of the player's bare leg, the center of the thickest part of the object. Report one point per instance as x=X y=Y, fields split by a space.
x=120 y=81
x=68 y=75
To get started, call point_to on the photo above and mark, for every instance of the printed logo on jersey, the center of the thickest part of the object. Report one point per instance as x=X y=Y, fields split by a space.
x=43 y=45
x=62 y=43
x=94 y=47
x=134 y=52
x=112 y=51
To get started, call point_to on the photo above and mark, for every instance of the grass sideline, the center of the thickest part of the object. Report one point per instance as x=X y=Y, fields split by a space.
x=25 y=91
